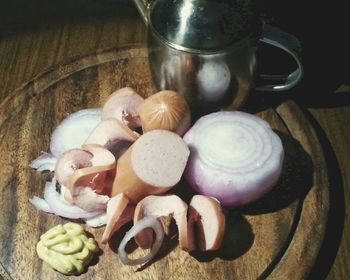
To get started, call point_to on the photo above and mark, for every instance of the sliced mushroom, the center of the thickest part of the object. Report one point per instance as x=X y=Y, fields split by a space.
x=206 y=223
x=118 y=214
x=152 y=165
x=160 y=206
x=123 y=105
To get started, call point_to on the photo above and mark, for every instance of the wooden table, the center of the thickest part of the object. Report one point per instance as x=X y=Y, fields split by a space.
x=37 y=35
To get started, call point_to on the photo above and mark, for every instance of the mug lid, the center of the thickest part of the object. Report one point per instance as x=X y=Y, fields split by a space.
x=203 y=24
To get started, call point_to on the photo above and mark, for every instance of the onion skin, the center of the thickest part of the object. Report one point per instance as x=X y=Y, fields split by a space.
x=73 y=130
x=235 y=157
x=61 y=208
x=46 y=161
x=165 y=110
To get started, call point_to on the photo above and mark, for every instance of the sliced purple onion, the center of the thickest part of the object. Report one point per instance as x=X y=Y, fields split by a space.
x=62 y=208
x=98 y=221
x=74 y=130
x=41 y=204
x=235 y=157
x=46 y=161
x=147 y=222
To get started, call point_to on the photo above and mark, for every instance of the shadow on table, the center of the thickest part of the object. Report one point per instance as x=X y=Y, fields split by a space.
x=238 y=239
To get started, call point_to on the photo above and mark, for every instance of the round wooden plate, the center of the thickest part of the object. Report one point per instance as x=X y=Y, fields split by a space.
x=277 y=237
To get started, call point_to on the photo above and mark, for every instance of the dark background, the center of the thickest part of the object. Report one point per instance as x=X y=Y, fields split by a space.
x=321 y=26
x=323 y=29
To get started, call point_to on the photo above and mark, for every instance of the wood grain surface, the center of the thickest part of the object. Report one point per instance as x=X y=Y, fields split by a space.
x=37 y=35
x=279 y=236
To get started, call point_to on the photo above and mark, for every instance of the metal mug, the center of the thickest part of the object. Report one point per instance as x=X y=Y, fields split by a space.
x=206 y=50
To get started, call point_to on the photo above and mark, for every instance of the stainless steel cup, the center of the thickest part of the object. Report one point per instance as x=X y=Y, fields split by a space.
x=206 y=50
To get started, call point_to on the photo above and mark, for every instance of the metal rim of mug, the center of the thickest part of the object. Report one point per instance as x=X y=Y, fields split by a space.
x=249 y=39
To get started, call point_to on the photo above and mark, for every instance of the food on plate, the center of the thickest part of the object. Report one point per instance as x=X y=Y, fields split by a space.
x=54 y=202
x=165 y=110
x=206 y=223
x=69 y=134
x=152 y=165
x=46 y=161
x=235 y=157
x=162 y=206
x=113 y=135
x=146 y=222
x=119 y=212
x=66 y=248
x=123 y=105
x=200 y=227
x=97 y=221
x=72 y=131
x=92 y=166
x=108 y=174
x=86 y=198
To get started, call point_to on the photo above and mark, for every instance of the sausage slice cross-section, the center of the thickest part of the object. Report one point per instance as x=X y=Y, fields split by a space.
x=152 y=165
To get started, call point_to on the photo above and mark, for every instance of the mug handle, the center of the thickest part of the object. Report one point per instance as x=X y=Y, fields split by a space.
x=276 y=37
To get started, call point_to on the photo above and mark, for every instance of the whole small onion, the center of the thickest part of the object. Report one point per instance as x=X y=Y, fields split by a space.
x=235 y=157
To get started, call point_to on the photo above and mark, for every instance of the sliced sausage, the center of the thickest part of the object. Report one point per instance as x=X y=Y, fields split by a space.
x=123 y=105
x=206 y=223
x=118 y=214
x=160 y=206
x=152 y=165
x=92 y=166
x=113 y=135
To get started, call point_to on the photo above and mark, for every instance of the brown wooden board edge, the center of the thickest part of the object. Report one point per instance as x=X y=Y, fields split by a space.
x=300 y=256
x=50 y=76
x=304 y=246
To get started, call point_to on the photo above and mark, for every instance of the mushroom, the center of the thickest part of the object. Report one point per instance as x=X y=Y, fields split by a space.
x=123 y=105
x=206 y=223
x=161 y=206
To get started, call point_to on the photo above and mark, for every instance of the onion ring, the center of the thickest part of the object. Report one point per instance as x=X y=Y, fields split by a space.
x=74 y=130
x=61 y=208
x=46 y=161
x=235 y=157
x=41 y=204
x=147 y=222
